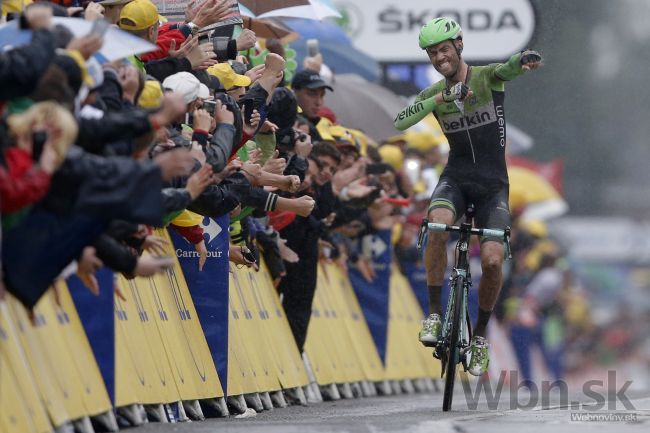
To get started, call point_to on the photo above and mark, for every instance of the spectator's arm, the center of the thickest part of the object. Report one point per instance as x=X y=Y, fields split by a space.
x=115 y=255
x=94 y=134
x=22 y=67
x=220 y=148
x=175 y=199
x=161 y=69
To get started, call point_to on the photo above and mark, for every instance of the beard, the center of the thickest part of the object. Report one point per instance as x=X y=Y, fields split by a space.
x=449 y=70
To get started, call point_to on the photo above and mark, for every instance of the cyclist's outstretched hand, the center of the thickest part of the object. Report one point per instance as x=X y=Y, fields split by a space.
x=458 y=91
x=530 y=60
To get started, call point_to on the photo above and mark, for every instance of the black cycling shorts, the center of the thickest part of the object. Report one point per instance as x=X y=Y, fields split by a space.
x=490 y=202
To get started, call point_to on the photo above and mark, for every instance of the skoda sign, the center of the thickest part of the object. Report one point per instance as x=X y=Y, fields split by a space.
x=388 y=29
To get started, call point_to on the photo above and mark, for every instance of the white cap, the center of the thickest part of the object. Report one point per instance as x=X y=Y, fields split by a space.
x=184 y=83
x=204 y=92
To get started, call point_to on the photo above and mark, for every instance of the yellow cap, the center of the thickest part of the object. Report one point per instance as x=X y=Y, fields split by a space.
x=323 y=128
x=423 y=141
x=228 y=77
x=361 y=139
x=188 y=219
x=9 y=6
x=392 y=155
x=342 y=135
x=151 y=95
x=138 y=15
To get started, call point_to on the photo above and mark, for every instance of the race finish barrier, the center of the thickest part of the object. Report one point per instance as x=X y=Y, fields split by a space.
x=187 y=344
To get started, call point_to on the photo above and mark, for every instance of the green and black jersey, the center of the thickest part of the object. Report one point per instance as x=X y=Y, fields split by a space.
x=475 y=127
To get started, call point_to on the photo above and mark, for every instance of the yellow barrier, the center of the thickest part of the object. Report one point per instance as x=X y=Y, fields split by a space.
x=289 y=367
x=161 y=352
x=406 y=358
x=262 y=353
x=339 y=344
x=356 y=325
x=50 y=357
x=48 y=374
x=22 y=410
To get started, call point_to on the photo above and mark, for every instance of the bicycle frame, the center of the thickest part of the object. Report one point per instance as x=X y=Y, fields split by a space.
x=456 y=327
x=461 y=268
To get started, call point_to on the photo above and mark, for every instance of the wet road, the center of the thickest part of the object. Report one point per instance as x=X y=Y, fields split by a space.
x=423 y=413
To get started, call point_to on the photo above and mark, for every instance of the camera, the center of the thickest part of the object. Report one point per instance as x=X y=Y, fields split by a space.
x=210 y=107
x=39 y=138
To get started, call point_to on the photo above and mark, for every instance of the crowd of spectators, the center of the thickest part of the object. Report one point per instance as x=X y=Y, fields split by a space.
x=94 y=154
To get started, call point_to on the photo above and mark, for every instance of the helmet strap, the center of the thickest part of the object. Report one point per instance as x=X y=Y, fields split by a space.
x=458 y=51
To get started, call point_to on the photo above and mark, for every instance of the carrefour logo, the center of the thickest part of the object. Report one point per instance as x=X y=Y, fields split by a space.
x=212 y=229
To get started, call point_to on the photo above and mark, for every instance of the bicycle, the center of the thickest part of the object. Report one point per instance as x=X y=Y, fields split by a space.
x=454 y=343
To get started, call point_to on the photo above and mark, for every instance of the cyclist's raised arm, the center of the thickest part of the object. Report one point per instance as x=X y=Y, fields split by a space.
x=517 y=65
x=424 y=104
x=415 y=112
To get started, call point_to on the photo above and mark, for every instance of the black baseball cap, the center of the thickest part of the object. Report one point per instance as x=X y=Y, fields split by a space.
x=308 y=79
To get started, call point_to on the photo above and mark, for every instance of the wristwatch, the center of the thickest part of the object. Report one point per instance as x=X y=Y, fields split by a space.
x=194 y=29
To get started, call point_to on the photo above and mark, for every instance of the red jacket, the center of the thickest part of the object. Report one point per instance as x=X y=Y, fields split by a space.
x=21 y=183
x=167 y=33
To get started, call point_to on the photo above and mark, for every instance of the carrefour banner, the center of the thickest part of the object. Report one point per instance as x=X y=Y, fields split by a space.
x=98 y=320
x=209 y=287
x=373 y=296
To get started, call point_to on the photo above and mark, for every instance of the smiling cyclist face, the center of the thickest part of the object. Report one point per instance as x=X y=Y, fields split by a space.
x=445 y=57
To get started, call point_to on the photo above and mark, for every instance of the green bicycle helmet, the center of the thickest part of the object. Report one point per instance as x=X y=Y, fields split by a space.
x=439 y=30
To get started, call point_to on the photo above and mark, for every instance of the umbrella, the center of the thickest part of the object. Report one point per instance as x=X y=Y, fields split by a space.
x=258 y=7
x=342 y=59
x=269 y=29
x=118 y=44
x=324 y=31
x=335 y=45
x=363 y=105
x=534 y=195
x=551 y=171
x=315 y=10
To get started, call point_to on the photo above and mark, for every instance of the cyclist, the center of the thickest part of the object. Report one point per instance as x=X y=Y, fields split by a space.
x=468 y=104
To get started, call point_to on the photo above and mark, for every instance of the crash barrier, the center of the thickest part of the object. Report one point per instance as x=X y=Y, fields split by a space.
x=48 y=374
x=157 y=342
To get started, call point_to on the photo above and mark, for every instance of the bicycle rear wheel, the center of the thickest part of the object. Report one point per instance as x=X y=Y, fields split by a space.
x=453 y=350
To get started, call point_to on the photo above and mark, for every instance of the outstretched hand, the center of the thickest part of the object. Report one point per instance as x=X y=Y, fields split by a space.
x=530 y=59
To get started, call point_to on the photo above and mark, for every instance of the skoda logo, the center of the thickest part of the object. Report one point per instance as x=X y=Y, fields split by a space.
x=351 y=18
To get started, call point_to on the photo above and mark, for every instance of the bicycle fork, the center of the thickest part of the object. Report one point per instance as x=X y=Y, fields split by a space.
x=465 y=336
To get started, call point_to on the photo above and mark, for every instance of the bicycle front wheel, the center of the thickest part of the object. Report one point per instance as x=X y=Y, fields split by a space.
x=453 y=351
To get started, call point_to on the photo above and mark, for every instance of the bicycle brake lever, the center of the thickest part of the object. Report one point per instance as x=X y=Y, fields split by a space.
x=507 y=240
x=423 y=230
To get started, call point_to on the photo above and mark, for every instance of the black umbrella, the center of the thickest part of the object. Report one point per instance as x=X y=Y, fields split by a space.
x=363 y=105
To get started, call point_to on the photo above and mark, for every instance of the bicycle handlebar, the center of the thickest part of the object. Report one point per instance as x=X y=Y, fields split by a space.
x=492 y=233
